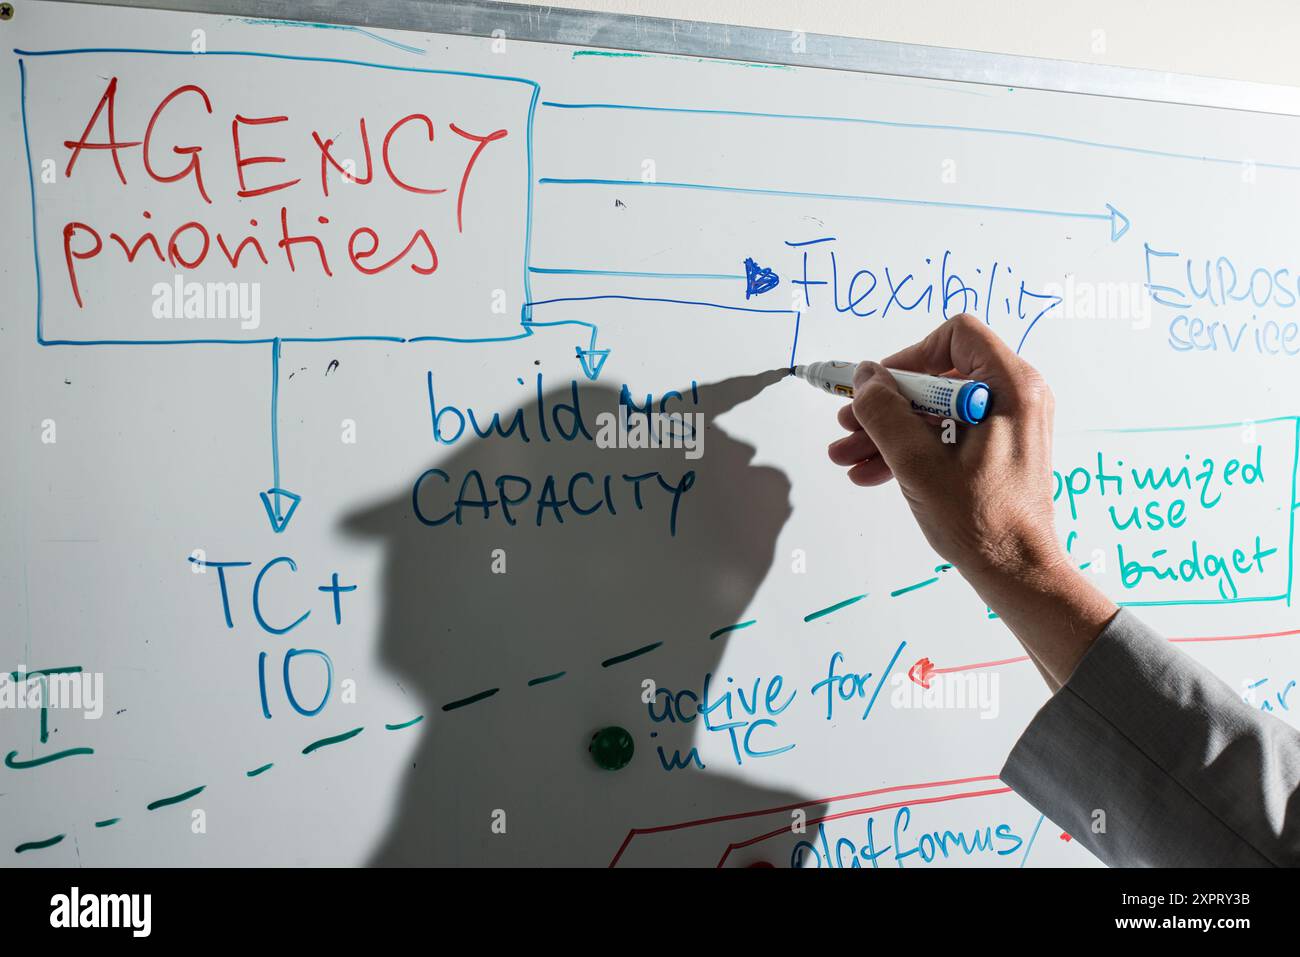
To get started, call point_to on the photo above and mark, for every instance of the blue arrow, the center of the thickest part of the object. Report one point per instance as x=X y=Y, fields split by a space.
x=279 y=522
x=1118 y=221
x=592 y=359
x=271 y=497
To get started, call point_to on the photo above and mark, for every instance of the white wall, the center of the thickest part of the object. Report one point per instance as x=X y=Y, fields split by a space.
x=1251 y=40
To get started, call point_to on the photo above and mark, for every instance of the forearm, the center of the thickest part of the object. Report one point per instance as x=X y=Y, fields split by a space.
x=1049 y=605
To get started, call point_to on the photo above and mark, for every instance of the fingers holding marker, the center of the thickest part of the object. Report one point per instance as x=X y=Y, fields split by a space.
x=886 y=416
x=847 y=419
x=968 y=346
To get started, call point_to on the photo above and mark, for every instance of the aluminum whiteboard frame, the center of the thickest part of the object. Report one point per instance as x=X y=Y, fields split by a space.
x=753 y=44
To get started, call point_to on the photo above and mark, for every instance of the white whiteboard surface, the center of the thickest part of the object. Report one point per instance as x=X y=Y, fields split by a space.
x=600 y=243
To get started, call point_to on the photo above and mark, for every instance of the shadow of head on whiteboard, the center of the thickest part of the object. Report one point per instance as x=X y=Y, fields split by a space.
x=537 y=591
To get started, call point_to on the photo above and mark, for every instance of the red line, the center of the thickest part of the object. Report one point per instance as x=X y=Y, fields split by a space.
x=1013 y=661
x=634 y=832
x=1267 y=634
x=855 y=813
x=982 y=664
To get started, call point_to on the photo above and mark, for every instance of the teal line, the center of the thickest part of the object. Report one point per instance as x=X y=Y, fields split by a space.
x=736 y=627
x=906 y=589
x=107 y=822
x=405 y=724
x=1200 y=601
x=453 y=705
x=333 y=739
x=627 y=55
x=619 y=659
x=545 y=678
x=1198 y=428
x=332 y=26
x=12 y=761
x=38 y=845
x=256 y=771
x=67 y=670
x=634 y=275
x=833 y=608
x=175 y=799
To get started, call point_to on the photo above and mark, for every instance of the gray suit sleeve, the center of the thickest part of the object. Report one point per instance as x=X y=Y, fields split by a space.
x=1183 y=772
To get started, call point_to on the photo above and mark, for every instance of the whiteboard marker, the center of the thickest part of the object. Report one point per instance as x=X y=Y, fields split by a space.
x=962 y=399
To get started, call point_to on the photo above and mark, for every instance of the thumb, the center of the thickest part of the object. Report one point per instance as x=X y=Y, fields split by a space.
x=906 y=442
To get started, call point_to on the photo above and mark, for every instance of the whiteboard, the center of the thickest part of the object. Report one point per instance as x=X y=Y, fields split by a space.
x=281 y=528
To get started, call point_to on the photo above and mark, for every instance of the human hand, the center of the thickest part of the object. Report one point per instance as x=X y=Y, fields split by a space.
x=983 y=499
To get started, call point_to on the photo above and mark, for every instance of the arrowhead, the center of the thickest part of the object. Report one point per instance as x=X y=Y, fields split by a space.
x=1118 y=223
x=592 y=361
x=759 y=279
x=279 y=522
x=921 y=671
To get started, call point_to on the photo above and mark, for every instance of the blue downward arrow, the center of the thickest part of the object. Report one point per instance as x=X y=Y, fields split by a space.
x=279 y=522
x=592 y=361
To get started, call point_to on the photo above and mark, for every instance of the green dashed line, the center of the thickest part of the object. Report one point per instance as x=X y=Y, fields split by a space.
x=175 y=799
x=333 y=739
x=736 y=627
x=12 y=760
x=453 y=705
x=635 y=653
x=906 y=588
x=405 y=724
x=24 y=675
x=821 y=613
x=38 y=845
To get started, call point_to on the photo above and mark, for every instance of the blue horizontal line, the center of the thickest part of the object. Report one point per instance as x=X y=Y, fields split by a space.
x=560 y=322
x=213 y=342
x=940 y=127
x=522 y=335
x=675 y=302
x=797 y=194
x=637 y=275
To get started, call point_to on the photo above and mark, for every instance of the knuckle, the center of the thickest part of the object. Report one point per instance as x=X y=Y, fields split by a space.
x=1034 y=388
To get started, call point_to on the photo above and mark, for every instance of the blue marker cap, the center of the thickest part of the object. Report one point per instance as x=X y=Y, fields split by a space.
x=973 y=402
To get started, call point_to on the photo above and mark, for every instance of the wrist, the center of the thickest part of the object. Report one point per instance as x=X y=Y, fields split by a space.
x=1052 y=607
x=1017 y=556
